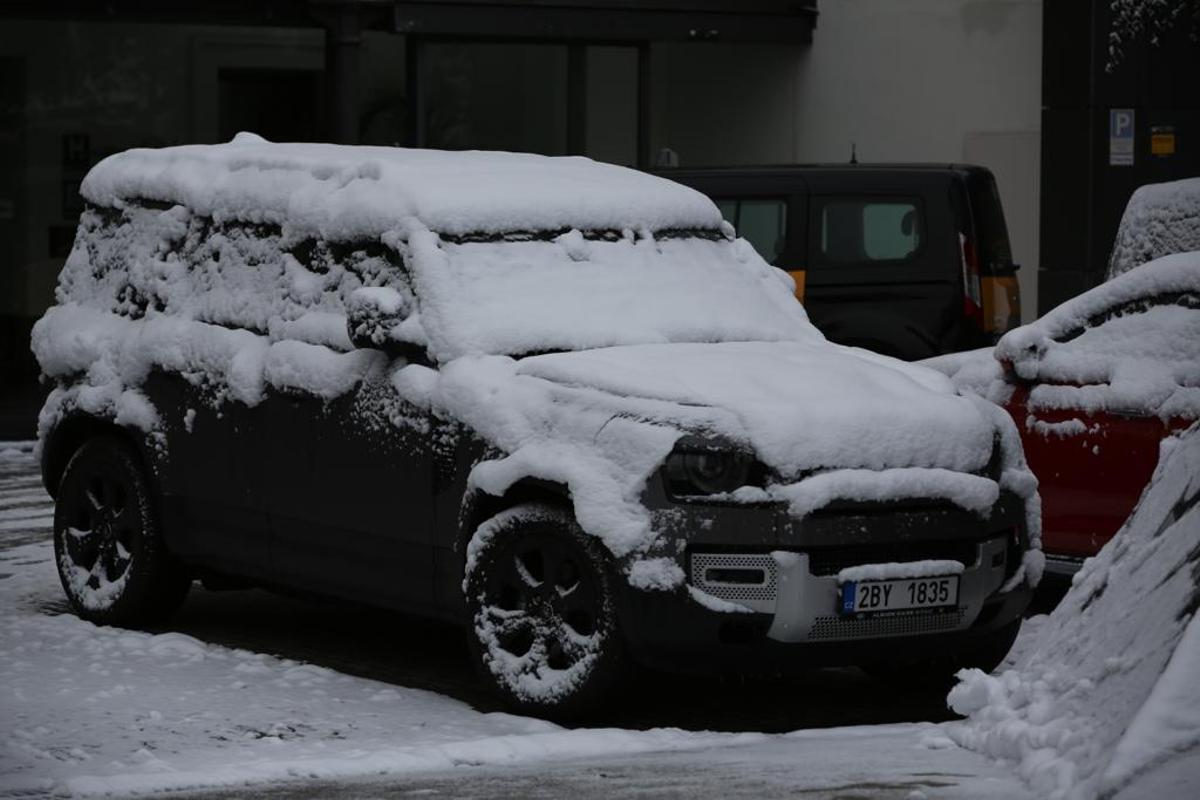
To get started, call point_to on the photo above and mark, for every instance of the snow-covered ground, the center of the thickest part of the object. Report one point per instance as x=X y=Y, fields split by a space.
x=87 y=710
x=1098 y=699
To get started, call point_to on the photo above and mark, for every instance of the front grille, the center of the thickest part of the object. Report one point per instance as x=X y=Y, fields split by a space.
x=702 y=563
x=835 y=627
x=832 y=560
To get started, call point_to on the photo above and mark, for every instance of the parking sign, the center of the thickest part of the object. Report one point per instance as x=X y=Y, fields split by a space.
x=1120 y=137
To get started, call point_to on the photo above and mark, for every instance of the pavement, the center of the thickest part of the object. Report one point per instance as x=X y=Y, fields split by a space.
x=848 y=764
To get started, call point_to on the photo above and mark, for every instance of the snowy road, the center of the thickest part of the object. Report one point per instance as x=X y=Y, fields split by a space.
x=251 y=689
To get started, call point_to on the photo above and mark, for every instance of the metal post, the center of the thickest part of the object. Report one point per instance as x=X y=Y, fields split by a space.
x=643 y=105
x=414 y=123
x=576 y=99
x=343 y=48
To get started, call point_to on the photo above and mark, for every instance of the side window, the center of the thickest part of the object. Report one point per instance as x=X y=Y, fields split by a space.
x=858 y=230
x=761 y=222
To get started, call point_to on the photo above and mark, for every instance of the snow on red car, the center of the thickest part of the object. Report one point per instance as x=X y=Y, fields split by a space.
x=1094 y=386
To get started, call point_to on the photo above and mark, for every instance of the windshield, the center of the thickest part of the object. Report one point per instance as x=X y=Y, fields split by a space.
x=575 y=293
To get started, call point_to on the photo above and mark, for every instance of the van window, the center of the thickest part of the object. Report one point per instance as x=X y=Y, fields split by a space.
x=761 y=222
x=858 y=230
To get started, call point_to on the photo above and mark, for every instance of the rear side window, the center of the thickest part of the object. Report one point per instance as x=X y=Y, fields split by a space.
x=761 y=222
x=991 y=234
x=861 y=230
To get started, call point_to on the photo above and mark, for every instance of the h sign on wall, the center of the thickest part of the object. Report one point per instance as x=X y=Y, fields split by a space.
x=1120 y=137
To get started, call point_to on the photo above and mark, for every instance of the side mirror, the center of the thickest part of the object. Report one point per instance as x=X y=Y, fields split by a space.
x=372 y=313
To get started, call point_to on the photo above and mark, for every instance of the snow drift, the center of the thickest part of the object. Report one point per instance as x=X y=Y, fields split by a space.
x=1105 y=702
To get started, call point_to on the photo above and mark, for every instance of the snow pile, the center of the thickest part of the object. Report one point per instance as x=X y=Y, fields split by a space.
x=1131 y=344
x=1104 y=701
x=1160 y=219
x=344 y=193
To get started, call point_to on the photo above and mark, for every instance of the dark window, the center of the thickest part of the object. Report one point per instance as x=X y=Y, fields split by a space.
x=857 y=230
x=761 y=222
x=277 y=104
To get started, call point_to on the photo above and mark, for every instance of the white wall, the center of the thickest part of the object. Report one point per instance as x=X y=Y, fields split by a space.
x=931 y=80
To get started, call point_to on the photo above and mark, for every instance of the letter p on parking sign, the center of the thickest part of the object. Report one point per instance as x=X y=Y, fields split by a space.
x=1120 y=137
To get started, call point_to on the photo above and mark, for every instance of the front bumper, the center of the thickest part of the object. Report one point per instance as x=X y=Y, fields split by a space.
x=791 y=620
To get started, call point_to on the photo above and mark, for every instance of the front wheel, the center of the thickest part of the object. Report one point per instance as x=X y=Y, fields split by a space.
x=111 y=559
x=544 y=629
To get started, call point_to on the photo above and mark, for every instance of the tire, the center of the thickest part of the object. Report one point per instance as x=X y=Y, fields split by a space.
x=543 y=627
x=111 y=559
x=938 y=673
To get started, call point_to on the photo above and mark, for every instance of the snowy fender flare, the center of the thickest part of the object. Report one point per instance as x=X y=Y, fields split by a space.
x=543 y=624
x=110 y=555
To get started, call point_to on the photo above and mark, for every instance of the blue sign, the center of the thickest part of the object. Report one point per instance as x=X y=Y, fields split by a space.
x=1120 y=137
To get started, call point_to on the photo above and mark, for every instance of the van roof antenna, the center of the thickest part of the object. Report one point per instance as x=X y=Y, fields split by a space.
x=853 y=153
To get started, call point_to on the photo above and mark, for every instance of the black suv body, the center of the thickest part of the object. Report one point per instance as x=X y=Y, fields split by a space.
x=267 y=369
x=907 y=260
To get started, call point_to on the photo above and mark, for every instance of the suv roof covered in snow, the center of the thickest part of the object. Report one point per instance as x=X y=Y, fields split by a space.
x=343 y=192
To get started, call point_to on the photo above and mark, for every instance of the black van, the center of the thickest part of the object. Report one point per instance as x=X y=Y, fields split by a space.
x=907 y=260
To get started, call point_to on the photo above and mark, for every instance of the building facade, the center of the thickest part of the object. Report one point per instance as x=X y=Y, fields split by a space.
x=712 y=81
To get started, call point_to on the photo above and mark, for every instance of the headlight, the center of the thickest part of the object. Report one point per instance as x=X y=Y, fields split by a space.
x=703 y=472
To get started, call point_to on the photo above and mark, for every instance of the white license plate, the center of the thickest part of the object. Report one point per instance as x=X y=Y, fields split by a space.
x=861 y=597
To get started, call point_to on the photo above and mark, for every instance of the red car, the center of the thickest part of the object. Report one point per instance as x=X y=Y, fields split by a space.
x=1094 y=387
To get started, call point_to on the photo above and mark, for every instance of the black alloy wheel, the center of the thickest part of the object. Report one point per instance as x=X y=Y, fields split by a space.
x=111 y=560
x=102 y=532
x=545 y=632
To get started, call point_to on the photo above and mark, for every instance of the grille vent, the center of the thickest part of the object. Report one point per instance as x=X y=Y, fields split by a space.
x=703 y=562
x=835 y=627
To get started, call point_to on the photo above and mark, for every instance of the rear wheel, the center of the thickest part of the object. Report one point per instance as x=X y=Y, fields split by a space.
x=544 y=630
x=110 y=555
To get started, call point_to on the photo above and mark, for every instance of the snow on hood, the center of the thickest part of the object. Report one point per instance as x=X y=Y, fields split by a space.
x=601 y=422
x=1160 y=219
x=344 y=193
x=801 y=406
x=1106 y=694
x=1145 y=359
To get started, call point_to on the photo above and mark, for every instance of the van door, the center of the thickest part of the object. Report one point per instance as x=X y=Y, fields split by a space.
x=883 y=262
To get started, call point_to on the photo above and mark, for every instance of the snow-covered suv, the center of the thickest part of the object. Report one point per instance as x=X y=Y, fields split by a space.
x=552 y=399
